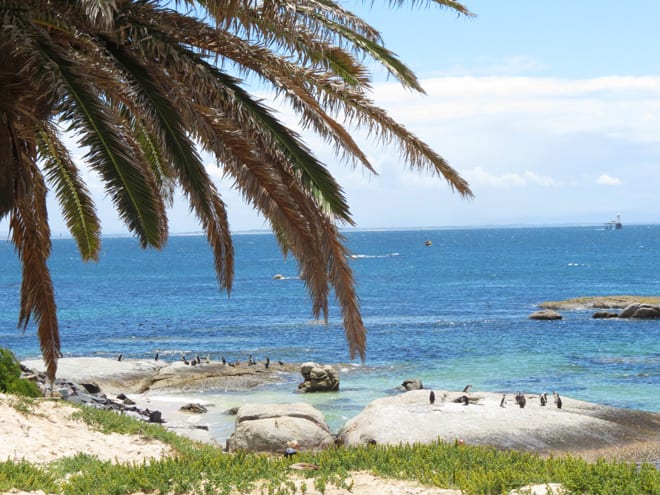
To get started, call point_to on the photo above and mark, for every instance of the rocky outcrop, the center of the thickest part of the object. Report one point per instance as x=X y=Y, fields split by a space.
x=411 y=384
x=273 y=427
x=605 y=314
x=640 y=310
x=545 y=314
x=131 y=376
x=89 y=394
x=318 y=378
x=491 y=419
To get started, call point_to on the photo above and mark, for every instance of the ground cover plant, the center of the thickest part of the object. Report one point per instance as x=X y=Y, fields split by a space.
x=205 y=469
x=10 y=377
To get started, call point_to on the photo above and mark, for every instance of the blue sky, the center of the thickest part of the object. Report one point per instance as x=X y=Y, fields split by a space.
x=551 y=110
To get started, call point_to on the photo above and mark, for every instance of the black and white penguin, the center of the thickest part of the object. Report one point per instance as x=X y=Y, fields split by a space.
x=467 y=389
x=290 y=452
x=119 y=357
x=503 y=400
x=432 y=397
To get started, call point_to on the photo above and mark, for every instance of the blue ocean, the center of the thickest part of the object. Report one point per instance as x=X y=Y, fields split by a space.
x=452 y=313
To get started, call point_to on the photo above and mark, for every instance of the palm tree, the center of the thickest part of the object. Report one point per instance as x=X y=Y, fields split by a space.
x=147 y=85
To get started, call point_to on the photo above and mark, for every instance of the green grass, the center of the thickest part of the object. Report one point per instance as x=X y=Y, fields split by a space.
x=203 y=469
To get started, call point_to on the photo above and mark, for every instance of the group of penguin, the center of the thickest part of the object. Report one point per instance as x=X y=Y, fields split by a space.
x=197 y=360
x=519 y=398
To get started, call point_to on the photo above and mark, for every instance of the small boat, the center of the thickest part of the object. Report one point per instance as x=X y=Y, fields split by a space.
x=614 y=224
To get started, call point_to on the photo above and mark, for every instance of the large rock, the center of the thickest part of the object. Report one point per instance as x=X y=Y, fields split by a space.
x=273 y=427
x=410 y=418
x=318 y=378
x=132 y=376
x=411 y=384
x=545 y=314
x=639 y=310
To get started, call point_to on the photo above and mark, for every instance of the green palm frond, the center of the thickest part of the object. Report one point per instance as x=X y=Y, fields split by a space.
x=313 y=174
x=78 y=208
x=166 y=126
x=380 y=54
x=112 y=151
x=146 y=84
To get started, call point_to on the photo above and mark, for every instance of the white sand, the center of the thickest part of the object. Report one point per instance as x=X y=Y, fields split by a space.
x=48 y=433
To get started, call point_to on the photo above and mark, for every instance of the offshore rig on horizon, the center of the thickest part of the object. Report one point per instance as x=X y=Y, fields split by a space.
x=614 y=224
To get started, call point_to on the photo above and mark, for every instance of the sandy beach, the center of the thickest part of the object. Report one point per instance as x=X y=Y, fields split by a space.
x=49 y=432
x=580 y=428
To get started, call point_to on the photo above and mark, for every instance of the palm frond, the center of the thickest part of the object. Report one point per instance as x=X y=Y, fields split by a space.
x=313 y=174
x=451 y=4
x=166 y=126
x=380 y=54
x=112 y=151
x=31 y=237
x=77 y=206
x=291 y=210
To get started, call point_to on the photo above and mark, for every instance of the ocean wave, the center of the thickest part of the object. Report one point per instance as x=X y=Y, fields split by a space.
x=279 y=276
x=369 y=256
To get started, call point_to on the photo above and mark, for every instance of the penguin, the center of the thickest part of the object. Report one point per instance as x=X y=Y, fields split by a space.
x=558 y=401
x=465 y=400
x=522 y=401
x=119 y=357
x=467 y=389
x=503 y=400
x=543 y=399
x=290 y=452
x=156 y=356
x=267 y=365
x=432 y=397
x=183 y=358
x=281 y=363
x=208 y=358
x=224 y=361
x=197 y=359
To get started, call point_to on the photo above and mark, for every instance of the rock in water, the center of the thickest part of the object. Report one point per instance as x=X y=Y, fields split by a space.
x=318 y=378
x=545 y=314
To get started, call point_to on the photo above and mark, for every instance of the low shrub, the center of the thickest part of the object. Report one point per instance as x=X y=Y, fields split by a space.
x=10 y=377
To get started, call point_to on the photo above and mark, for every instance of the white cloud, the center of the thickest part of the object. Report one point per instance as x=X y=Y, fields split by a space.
x=626 y=108
x=479 y=176
x=608 y=180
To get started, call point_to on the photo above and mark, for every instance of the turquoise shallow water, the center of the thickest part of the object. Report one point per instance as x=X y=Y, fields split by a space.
x=450 y=314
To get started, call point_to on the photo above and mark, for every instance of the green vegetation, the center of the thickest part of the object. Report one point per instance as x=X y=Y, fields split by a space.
x=203 y=469
x=10 y=377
